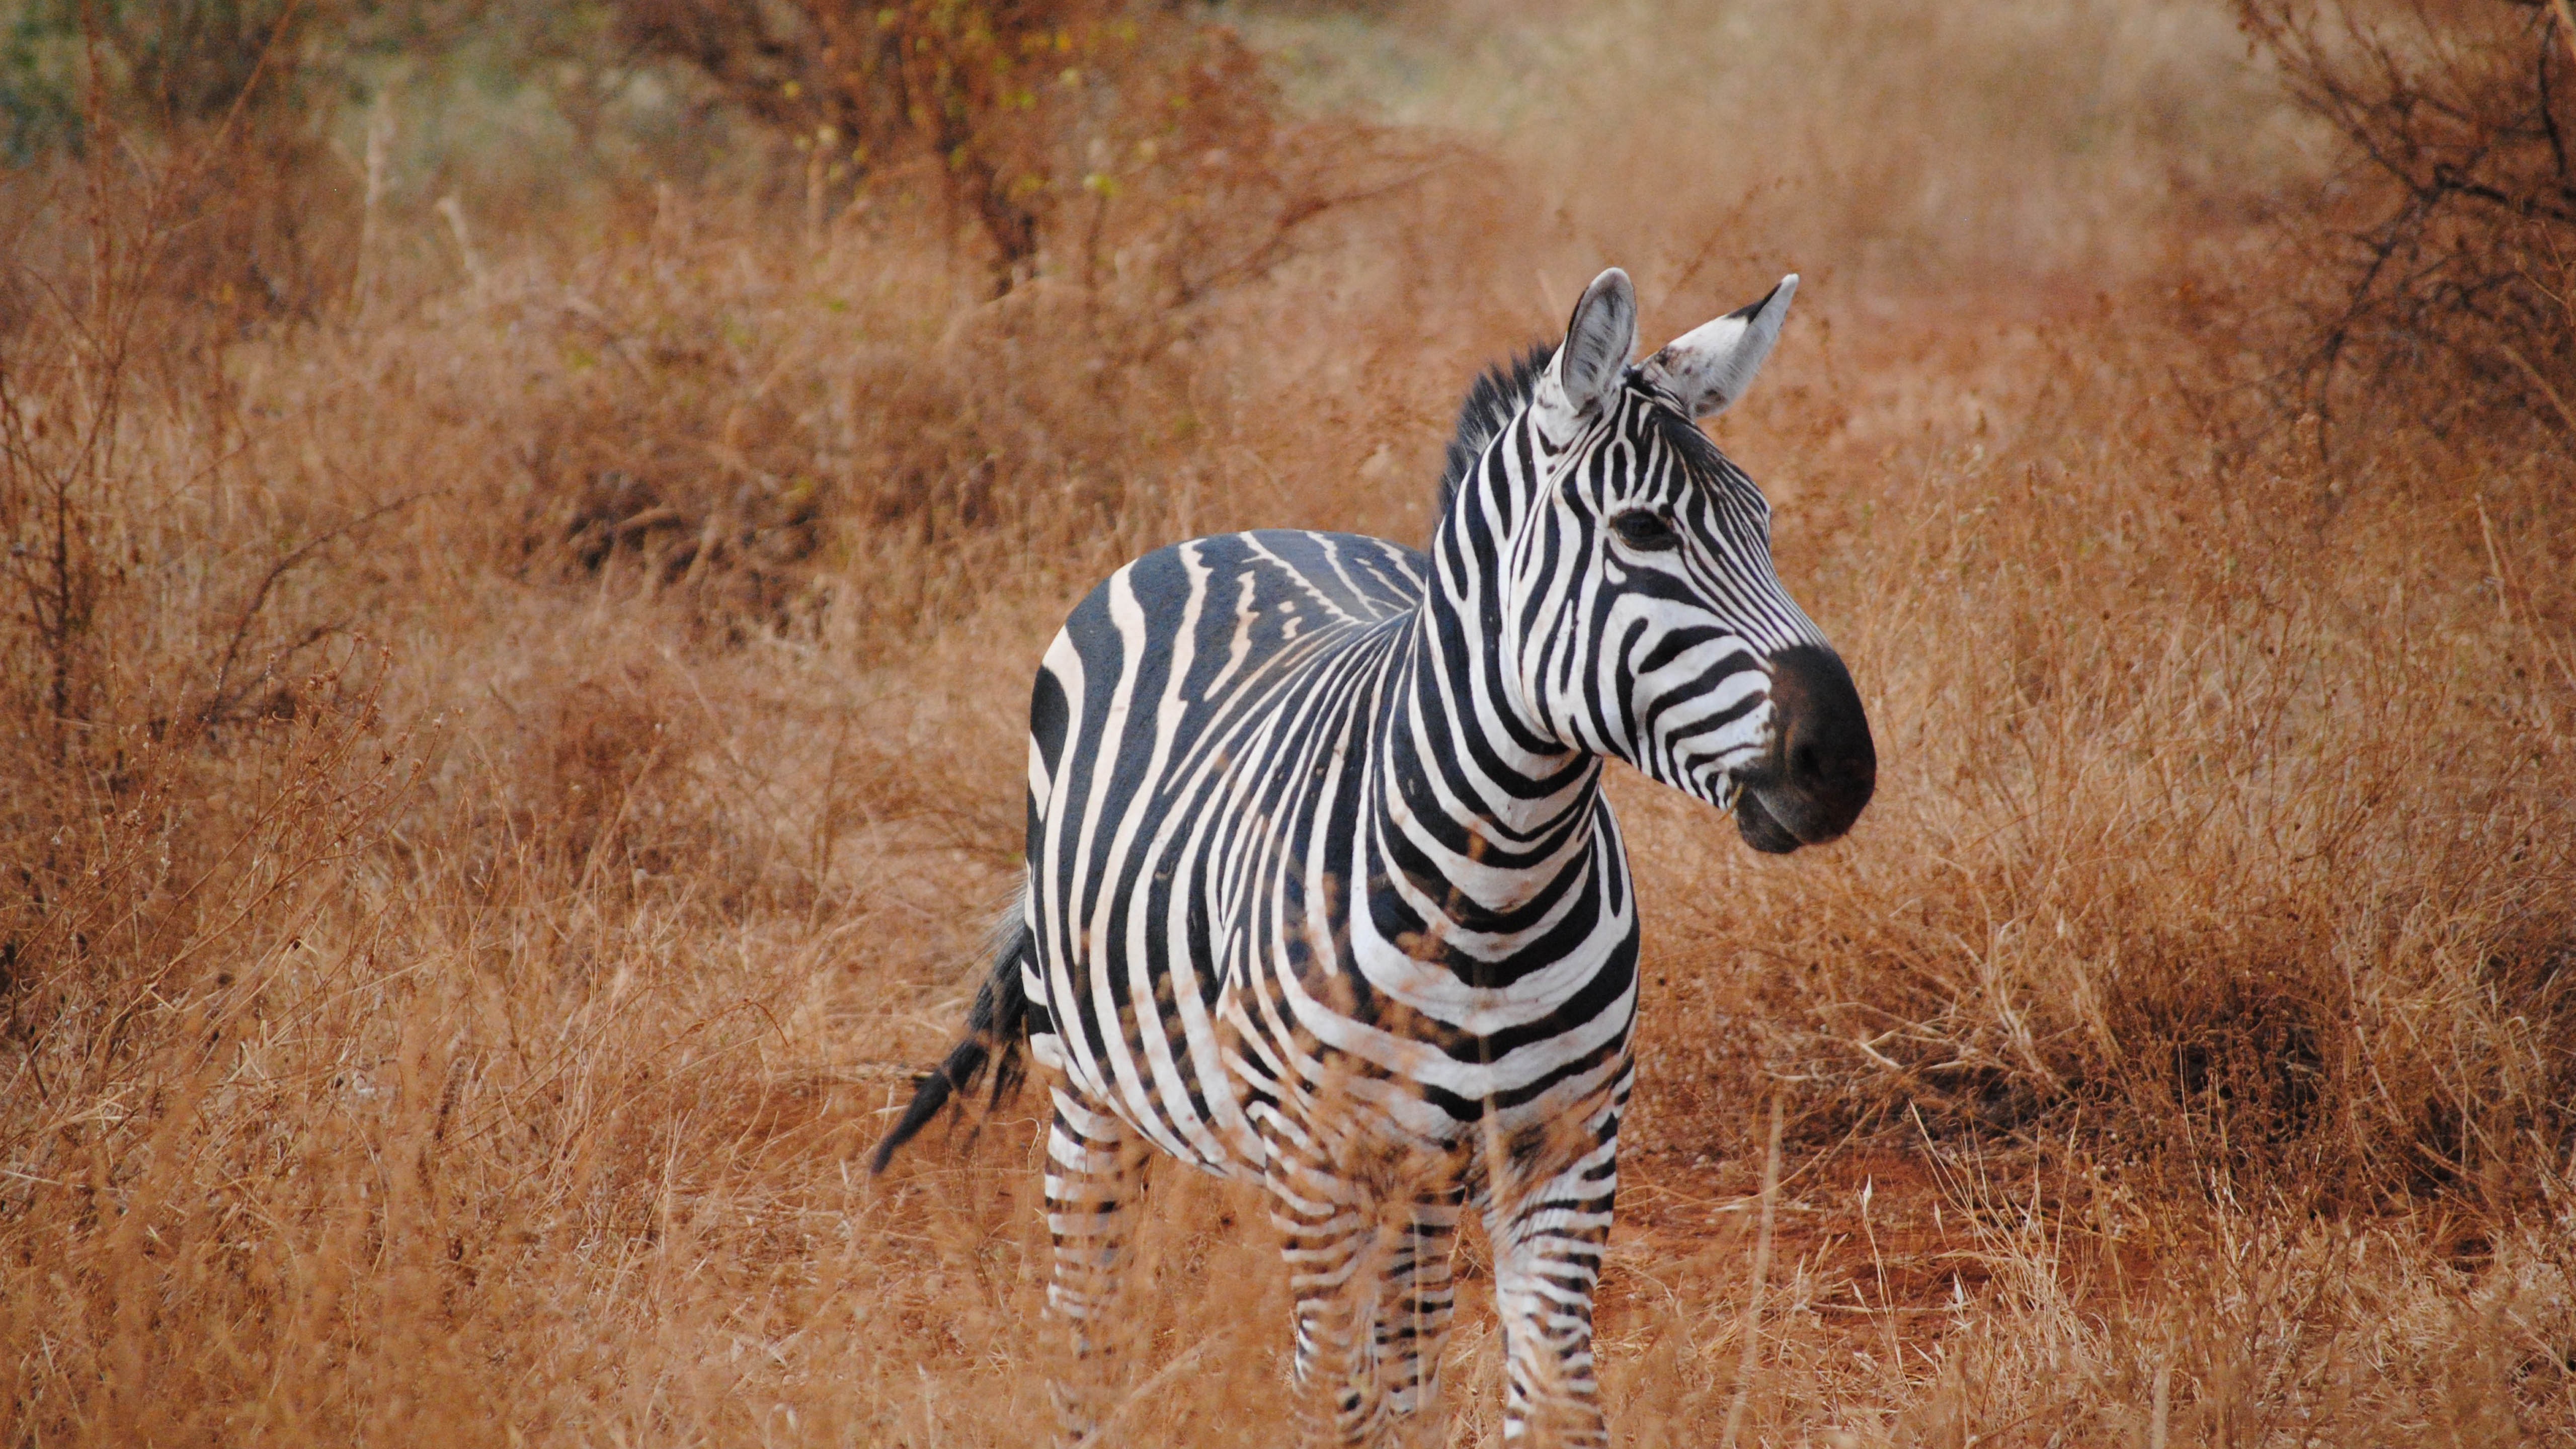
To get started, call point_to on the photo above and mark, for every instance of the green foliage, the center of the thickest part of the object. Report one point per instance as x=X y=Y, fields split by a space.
x=169 y=62
x=163 y=65
x=39 y=81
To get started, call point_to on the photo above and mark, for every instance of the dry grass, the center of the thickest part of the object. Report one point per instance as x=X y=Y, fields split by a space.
x=500 y=781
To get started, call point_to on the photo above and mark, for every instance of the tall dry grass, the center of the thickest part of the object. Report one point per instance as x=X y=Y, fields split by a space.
x=505 y=777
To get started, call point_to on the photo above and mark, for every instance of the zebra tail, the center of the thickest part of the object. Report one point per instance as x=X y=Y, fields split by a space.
x=996 y=1031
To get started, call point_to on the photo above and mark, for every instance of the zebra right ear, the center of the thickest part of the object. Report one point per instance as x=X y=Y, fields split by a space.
x=1598 y=340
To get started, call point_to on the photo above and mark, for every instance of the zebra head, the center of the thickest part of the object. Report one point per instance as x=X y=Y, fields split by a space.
x=1650 y=624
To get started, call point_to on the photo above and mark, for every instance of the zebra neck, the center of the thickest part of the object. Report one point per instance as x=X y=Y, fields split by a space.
x=1498 y=807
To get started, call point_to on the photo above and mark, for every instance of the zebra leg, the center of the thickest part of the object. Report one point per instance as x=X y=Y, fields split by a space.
x=1549 y=1238
x=1094 y=1166
x=1415 y=1308
x=1330 y=1238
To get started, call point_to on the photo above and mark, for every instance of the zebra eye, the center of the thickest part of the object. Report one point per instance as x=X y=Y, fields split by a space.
x=1641 y=529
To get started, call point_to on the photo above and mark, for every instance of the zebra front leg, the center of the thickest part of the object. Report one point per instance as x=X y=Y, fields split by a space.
x=1330 y=1239
x=1094 y=1166
x=1549 y=1239
x=1414 y=1310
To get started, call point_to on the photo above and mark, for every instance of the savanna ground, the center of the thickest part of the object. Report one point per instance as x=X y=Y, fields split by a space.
x=525 y=566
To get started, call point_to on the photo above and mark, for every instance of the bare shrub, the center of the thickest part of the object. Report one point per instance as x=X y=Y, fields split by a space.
x=1107 y=135
x=2440 y=252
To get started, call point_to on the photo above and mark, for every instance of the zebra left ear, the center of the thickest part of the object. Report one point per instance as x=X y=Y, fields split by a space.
x=1709 y=367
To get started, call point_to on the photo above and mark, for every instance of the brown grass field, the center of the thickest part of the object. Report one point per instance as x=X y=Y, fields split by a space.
x=505 y=770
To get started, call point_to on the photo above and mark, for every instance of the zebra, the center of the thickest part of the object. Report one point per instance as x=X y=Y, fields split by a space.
x=1323 y=894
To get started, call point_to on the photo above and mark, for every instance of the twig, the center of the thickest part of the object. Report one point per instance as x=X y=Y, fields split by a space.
x=2566 y=414
x=2495 y=565
x=1752 y=1355
x=218 y=701
x=454 y=211
x=380 y=139
x=2164 y=1374
x=1292 y=216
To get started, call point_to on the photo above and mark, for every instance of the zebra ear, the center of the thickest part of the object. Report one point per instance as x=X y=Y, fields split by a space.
x=1598 y=340
x=1709 y=367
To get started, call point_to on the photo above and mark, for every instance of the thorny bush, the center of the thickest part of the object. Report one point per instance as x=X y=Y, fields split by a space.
x=2442 y=257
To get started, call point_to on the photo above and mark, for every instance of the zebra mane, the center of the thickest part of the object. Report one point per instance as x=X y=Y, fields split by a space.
x=1492 y=401
x=1502 y=390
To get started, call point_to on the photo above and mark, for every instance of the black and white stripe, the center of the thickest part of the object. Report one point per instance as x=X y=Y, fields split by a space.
x=1323 y=892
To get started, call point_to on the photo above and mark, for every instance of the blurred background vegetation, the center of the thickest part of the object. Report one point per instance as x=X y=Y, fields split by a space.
x=2430 y=183
x=527 y=527
x=1020 y=121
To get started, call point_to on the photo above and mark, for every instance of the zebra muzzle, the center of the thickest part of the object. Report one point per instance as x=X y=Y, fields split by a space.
x=1822 y=766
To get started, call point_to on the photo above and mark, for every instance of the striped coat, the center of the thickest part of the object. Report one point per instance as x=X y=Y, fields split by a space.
x=1323 y=892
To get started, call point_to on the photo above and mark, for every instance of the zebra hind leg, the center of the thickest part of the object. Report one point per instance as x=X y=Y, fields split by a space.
x=1095 y=1165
